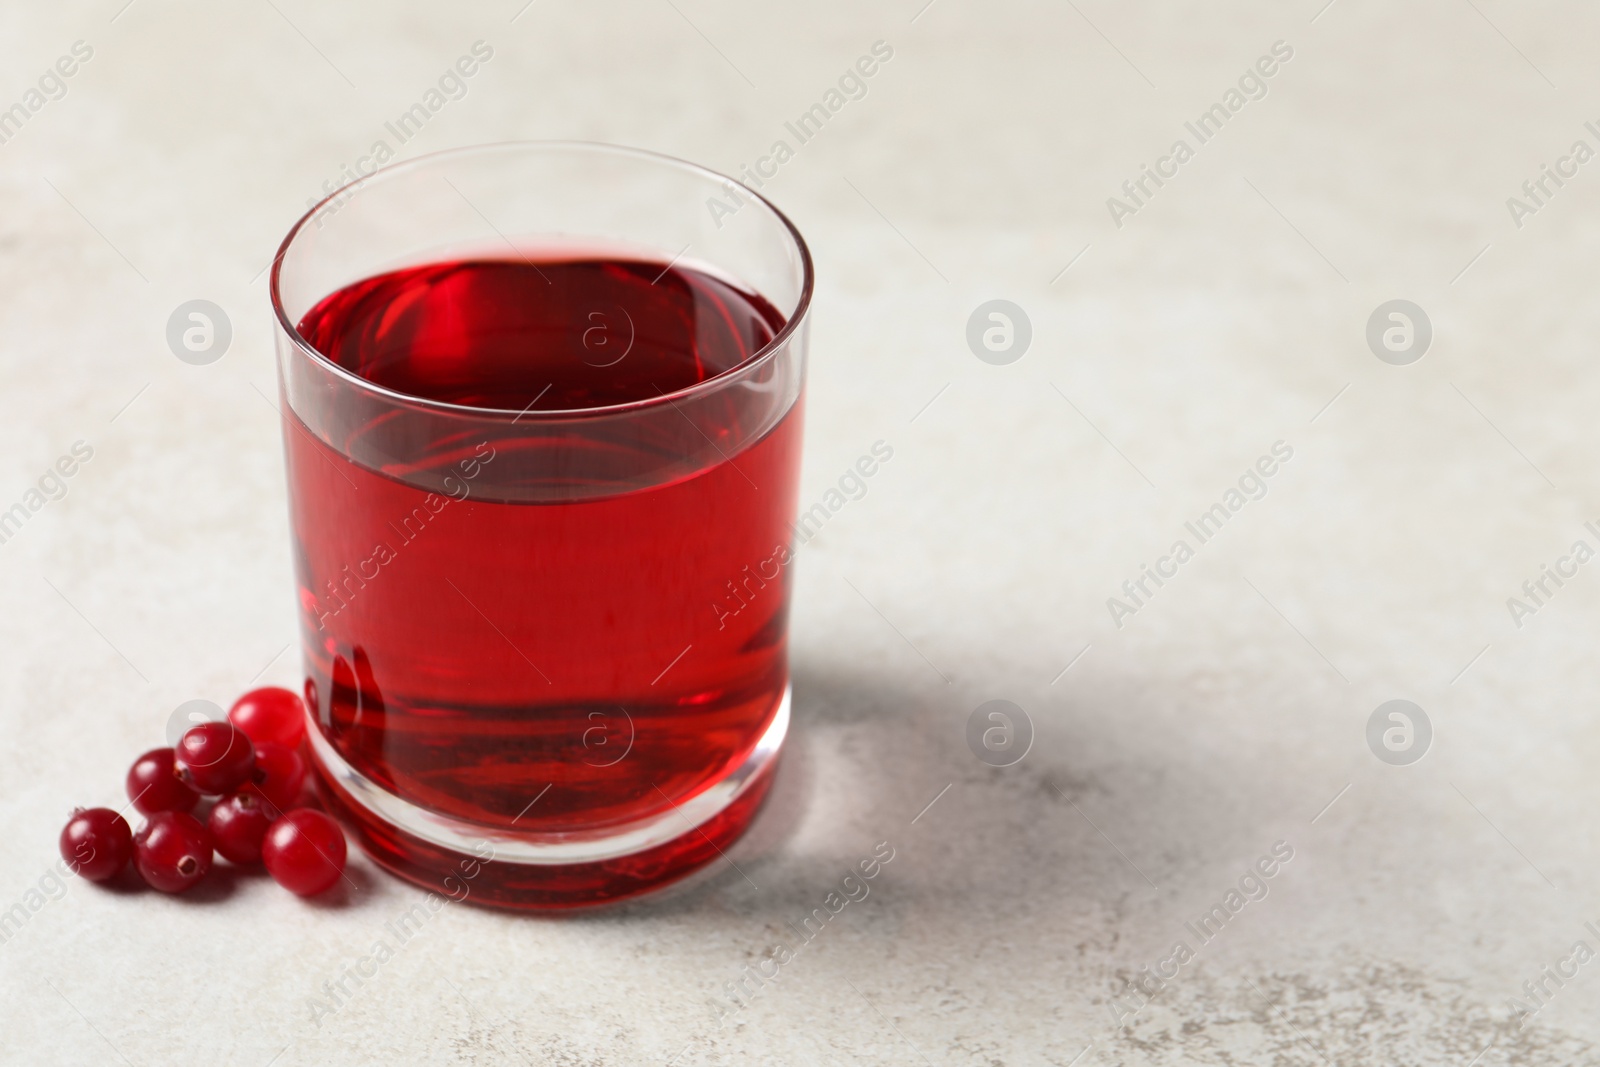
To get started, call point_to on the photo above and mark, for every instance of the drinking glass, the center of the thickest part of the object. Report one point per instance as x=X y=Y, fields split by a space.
x=545 y=650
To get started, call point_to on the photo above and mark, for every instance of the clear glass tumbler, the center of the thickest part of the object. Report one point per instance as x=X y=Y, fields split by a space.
x=545 y=649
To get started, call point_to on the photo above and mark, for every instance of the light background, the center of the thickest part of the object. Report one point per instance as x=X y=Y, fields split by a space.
x=1227 y=315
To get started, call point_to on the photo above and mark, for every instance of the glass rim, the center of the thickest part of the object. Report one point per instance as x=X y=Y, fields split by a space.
x=762 y=356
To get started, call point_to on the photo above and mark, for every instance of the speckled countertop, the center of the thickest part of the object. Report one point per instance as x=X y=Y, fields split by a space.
x=1185 y=738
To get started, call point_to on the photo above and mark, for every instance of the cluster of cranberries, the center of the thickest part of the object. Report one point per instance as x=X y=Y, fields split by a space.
x=252 y=765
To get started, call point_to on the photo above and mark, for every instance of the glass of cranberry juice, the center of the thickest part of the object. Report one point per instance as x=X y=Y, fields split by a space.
x=542 y=410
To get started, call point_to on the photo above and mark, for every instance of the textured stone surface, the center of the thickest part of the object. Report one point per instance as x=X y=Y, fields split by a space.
x=1228 y=313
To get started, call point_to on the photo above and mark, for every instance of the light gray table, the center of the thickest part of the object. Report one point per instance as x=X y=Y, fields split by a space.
x=1175 y=340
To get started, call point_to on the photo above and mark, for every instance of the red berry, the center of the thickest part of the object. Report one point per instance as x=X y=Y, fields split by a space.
x=270 y=714
x=154 y=785
x=215 y=757
x=279 y=776
x=96 y=843
x=172 y=851
x=237 y=824
x=304 y=852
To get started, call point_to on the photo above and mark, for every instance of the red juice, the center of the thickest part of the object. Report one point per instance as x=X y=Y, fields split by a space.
x=526 y=653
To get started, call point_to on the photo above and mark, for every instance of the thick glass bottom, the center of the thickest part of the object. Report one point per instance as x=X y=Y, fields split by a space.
x=467 y=861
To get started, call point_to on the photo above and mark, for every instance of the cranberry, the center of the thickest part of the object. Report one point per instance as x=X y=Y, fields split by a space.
x=279 y=776
x=270 y=714
x=237 y=824
x=96 y=843
x=215 y=757
x=172 y=851
x=304 y=852
x=154 y=785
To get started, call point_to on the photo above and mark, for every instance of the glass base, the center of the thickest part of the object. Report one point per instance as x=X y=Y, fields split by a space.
x=488 y=865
